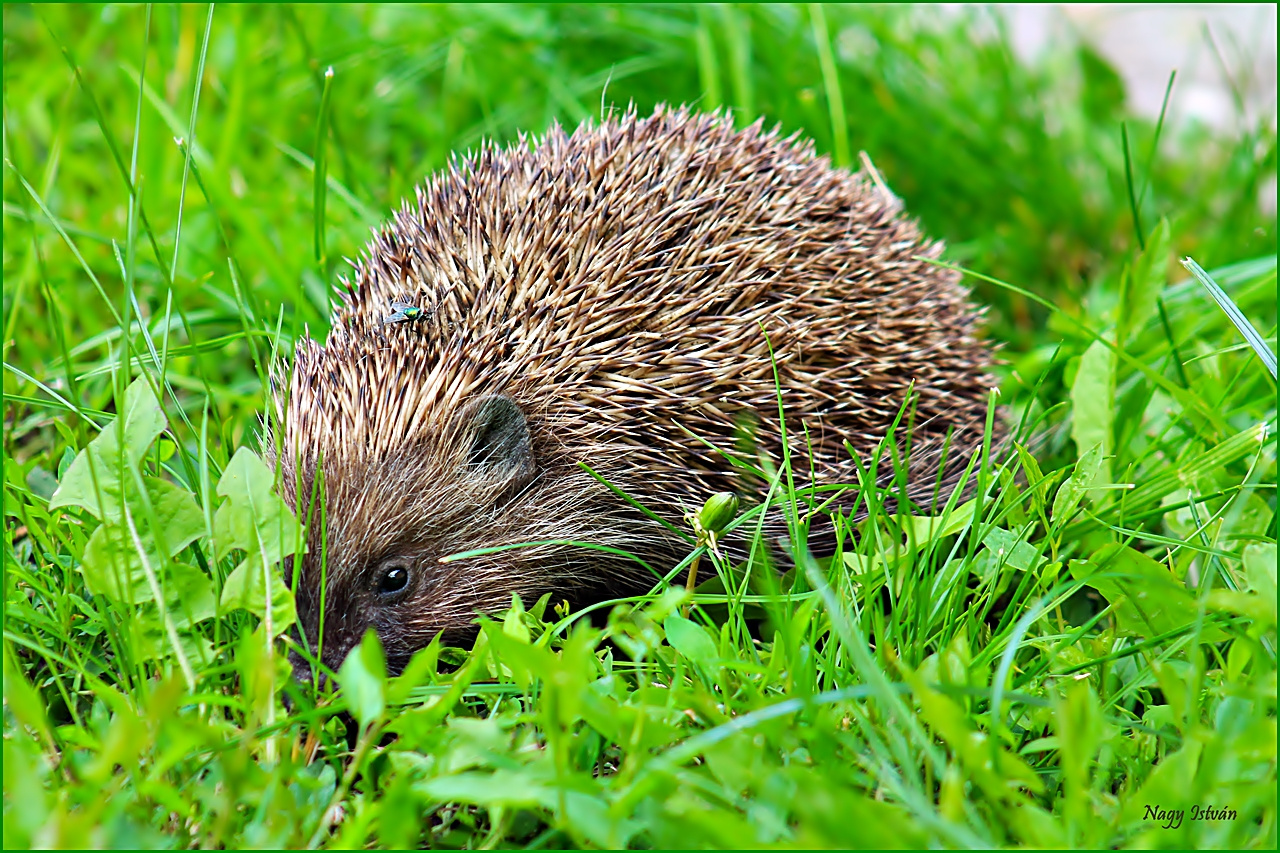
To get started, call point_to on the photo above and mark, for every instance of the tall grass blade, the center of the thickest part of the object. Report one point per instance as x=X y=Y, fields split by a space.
x=1237 y=319
x=831 y=83
x=1155 y=139
x=1128 y=182
x=321 y=161
x=107 y=136
x=191 y=135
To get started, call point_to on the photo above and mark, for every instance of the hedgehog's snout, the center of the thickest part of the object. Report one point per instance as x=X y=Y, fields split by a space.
x=302 y=669
x=344 y=623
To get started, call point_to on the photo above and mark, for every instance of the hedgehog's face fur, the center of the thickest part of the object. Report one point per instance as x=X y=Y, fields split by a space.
x=388 y=575
x=381 y=526
x=389 y=519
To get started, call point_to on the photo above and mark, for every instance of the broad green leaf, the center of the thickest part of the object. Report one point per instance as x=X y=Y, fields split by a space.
x=600 y=709
x=363 y=677
x=951 y=665
x=1008 y=549
x=484 y=742
x=112 y=563
x=1141 y=288
x=1260 y=569
x=26 y=769
x=1035 y=478
x=974 y=748
x=1238 y=656
x=645 y=727
x=1149 y=599
x=142 y=421
x=513 y=623
x=859 y=564
x=1248 y=604
x=256 y=521
x=1093 y=405
x=253 y=518
x=246 y=587
x=668 y=602
x=189 y=595
x=1086 y=475
x=521 y=788
x=924 y=529
x=64 y=463
x=152 y=642
x=1036 y=827
x=737 y=763
x=112 y=566
x=1163 y=716
x=177 y=515
x=690 y=640
x=23 y=700
x=515 y=657
x=41 y=482
x=590 y=816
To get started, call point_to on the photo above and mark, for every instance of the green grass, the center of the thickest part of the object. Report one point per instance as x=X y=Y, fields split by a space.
x=1093 y=634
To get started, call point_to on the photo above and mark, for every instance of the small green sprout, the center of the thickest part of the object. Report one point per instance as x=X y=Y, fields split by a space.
x=708 y=522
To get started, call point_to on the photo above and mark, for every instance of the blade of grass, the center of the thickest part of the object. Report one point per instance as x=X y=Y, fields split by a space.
x=1233 y=313
x=708 y=68
x=320 y=159
x=831 y=85
x=1155 y=140
x=191 y=134
x=111 y=145
x=1128 y=182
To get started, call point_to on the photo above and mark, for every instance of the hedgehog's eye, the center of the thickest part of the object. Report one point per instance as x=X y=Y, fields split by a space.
x=392 y=578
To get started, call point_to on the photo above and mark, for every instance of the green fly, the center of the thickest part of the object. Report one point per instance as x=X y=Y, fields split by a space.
x=404 y=312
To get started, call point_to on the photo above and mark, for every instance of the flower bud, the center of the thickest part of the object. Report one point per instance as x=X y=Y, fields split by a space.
x=718 y=511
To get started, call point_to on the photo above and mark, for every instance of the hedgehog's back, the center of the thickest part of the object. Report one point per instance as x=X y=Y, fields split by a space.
x=626 y=283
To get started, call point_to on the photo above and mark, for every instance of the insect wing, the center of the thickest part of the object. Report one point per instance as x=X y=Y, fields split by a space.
x=403 y=312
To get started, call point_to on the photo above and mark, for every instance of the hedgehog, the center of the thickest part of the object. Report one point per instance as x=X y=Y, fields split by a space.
x=604 y=324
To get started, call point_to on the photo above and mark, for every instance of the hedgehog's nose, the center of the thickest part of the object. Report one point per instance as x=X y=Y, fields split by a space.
x=306 y=673
x=301 y=676
x=302 y=670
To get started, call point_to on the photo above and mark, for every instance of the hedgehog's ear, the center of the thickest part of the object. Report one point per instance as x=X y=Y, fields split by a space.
x=497 y=439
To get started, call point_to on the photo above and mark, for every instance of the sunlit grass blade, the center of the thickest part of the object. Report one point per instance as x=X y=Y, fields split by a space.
x=1128 y=182
x=108 y=137
x=321 y=168
x=831 y=84
x=191 y=131
x=1237 y=318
